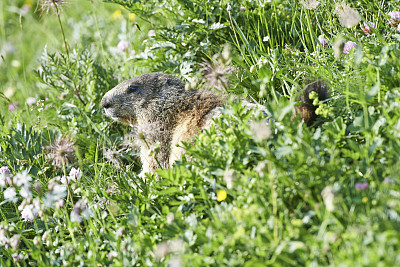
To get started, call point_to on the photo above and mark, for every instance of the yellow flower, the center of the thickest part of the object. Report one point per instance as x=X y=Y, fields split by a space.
x=132 y=16
x=221 y=195
x=364 y=200
x=28 y=3
x=116 y=14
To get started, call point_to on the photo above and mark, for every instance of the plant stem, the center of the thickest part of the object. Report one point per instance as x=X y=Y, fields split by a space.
x=62 y=30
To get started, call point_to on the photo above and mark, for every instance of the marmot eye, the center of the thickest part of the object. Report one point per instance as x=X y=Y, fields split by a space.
x=132 y=87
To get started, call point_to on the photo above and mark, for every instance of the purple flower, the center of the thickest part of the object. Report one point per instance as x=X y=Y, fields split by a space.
x=394 y=18
x=12 y=107
x=5 y=170
x=361 y=186
x=366 y=27
x=349 y=46
x=31 y=101
x=123 y=46
x=398 y=27
x=322 y=40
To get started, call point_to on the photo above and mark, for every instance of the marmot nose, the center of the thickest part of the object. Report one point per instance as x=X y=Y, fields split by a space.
x=105 y=103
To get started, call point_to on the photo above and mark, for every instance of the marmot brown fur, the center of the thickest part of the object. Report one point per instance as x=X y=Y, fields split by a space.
x=162 y=100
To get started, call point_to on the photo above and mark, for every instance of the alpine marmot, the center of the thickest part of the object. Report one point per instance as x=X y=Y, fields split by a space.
x=161 y=100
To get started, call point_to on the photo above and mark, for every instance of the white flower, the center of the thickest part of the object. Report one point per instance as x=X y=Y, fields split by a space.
x=29 y=213
x=322 y=40
x=266 y=38
x=75 y=217
x=328 y=196
x=229 y=176
x=14 y=241
x=260 y=130
x=58 y=192
x=22 y=178
x=151 y=33
x=10 y=194
x=75 y=174
x=310 y=4
x=26 y=191
x=31 y=101
x=3 y=180
x=348 y=17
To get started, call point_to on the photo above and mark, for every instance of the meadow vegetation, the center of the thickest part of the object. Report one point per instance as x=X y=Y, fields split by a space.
x=257 y=191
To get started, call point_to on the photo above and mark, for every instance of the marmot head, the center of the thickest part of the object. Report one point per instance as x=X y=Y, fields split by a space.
x=147 y=97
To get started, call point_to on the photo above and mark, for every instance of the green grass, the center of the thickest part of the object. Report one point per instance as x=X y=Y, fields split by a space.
x=325 y=195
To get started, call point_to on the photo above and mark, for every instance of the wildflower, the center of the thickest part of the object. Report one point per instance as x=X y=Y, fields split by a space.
x=22 y=178
x=151 y=33
x=10 y=194
x=366 y=27
x=29 y=213
x=322 y=40
x=56 y=5
x=229 y=8
x=348 y=46
x=260 y=130
x=338 y=47
x=112 y=254
x=14 y=242
x=364 y=200
x=31 y=101
x=161 y=250
x=3 y=180
x=75 y=174
x=133 y=53
x=394 y=18
x=60 y=203
x=3 y=237
x=56 y=192
x=62 y=151
x=361 y=186
x=17 y=257
x=170 y=218
x=113 y=155
x=260 y=168
x=242 y=8
x=80 y=211
x=328 y=196
x=132 y=16
x=117 y=13
x=398 y=27
x=12 y=107
x=387 y=180
x=123 y=45
x=215 y=74
x=266 y=38
x=229 y=176
x=112 y=189
x=310 y=4
x=26 y=191
x=5 y=170
x=221 y=195
x=348 y=16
